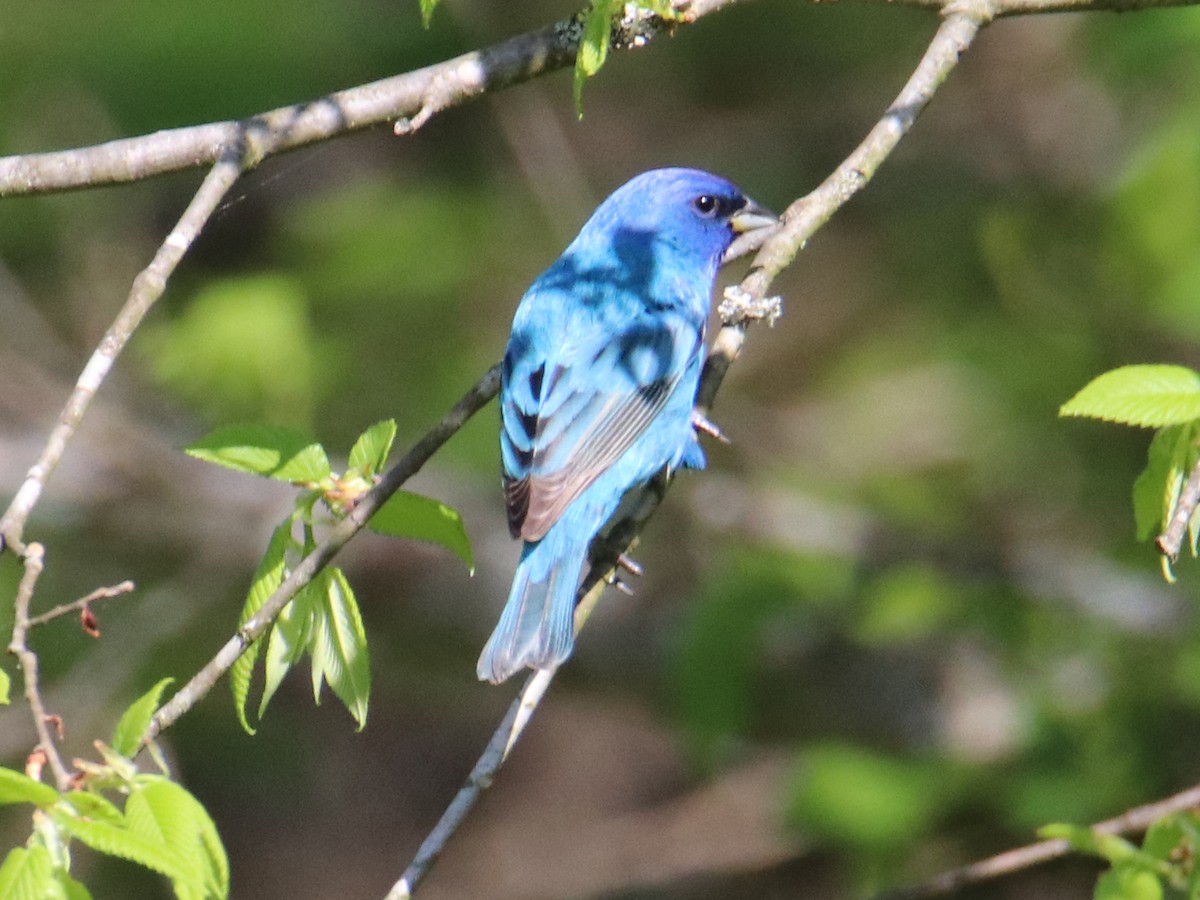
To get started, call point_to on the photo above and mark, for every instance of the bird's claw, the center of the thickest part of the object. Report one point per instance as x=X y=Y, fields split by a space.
x=621 y=586
x=701 y=423
x=629 y=564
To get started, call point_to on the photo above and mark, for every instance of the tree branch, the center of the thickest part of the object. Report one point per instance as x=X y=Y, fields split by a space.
x=65 y=609
x=147 y=288
x=410 y=100
x=1133 y=821
x=34 y=556
x=1170 y=542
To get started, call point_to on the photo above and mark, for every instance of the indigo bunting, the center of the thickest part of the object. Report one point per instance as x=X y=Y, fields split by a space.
x=598 y=387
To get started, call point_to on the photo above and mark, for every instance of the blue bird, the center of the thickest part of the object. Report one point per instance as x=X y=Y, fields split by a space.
x=598 y=387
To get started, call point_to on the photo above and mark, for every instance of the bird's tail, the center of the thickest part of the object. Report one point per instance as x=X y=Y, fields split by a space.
x=536 y=628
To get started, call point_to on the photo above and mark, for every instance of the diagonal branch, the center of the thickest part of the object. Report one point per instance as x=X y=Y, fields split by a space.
x=147 y=288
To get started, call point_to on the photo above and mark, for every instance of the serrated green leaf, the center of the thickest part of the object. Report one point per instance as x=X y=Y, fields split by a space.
x=117 y=840
x=593 y=46
x=411 y=515
x=339 y=647
x=28 y=874
x=135 y=720
x=17 y=787
x=1151 y=396
x=370 y=451
x=94 y=806
x=289 y=640
x=427 y=8
x=5 y=686
x=269 y=575
x=1155 y=489
x=161 y=810
x=266 y=450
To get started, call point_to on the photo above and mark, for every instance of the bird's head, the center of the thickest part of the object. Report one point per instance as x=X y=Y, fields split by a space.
x=695 y=213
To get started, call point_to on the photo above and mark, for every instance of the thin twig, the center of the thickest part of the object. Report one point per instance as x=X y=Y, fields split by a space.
x=503 y=739
x=34 y=556
x=1170 y=542
x=254 y=627
x=147 y=288
x=1133 y=821
x=65 y=609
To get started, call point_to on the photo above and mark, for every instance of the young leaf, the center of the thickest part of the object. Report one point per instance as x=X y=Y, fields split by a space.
x=289 y=640
x=339 y=646
x=136 y=719
x=371 y=450
x=277 y=453
x=1146 y=396
x=270 y=574
x=17 y=787
x=117 y=840
x=593 y=46
x=28 y=874
x=5 y=684
x=94 y=806
x=410 y=515
x=427 y=7
x=71 y=889
x=162 y=811
x=1128 y=882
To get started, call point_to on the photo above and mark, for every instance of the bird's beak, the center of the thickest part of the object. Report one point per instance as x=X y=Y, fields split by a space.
x=752 y=217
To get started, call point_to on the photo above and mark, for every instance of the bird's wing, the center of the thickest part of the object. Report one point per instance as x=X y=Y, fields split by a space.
x=570 y=414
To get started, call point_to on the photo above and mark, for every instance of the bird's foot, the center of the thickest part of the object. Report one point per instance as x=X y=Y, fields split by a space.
x=701 y=423
x=629 y=564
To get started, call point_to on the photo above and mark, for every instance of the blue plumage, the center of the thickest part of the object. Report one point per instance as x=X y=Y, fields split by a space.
x=598 y=386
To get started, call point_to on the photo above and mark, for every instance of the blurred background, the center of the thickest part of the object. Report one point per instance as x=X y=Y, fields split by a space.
x=899 y=624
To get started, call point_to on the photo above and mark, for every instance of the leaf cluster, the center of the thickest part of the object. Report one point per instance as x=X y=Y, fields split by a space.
x=323 y=620
x=112 y=808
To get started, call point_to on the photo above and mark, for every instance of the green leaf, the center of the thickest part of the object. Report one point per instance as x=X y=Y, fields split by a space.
x=1155 y=489
x=94 y=806
x=593 y=46
x=164 y=812
x=339 y=646
x=1128 y=882
x=17 y=787
x=289 y=640
x=1087 y=840
x=1146 y=396
x=28 y=874
x=5 y=684
x=72 y=889
x=266 y=450
x=136 y=719
x=267 y=578
x=371 y=450
x=427 y=7
x=118 y=840
x=410 y=515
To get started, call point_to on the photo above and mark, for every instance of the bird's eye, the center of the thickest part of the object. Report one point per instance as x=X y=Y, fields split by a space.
x=707 y=205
